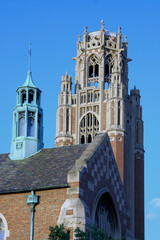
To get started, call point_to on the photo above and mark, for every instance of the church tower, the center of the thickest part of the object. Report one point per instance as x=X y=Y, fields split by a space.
x=101 y=103
x=27 y=132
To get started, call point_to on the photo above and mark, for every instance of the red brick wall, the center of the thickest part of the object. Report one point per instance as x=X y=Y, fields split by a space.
x=62 y=143
x=17 y=213
x=118 y=150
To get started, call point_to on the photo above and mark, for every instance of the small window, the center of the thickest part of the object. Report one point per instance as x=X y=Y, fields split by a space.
x=38 y=98
x=21 y=130
x=91 y=71
x=30 y=132
x=90 y=84
x=39 y=126
x=96 y=70
x=89 y=138
x=96 y=84
x=82 y=139
x=31 y=97
x=23 y=97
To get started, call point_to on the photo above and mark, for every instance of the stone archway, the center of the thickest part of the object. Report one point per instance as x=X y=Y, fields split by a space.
x=105 y=215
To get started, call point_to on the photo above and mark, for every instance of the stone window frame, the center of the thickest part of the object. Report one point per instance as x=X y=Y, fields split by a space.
x=6 y=231
x=93 y=60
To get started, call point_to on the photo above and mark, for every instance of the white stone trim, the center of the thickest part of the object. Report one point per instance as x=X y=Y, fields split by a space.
x=6 y=233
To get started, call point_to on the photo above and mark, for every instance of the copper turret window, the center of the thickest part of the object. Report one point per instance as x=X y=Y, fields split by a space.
x=23 y=96
x=31 y=97
x=21 y=127
x=30 y=129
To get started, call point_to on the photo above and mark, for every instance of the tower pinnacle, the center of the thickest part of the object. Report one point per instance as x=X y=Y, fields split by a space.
x=102 y=25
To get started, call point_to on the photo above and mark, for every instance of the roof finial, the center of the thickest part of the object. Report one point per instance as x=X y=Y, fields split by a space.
x=102 y=25
x=85 y=29
x=29 y=51
x=119 y=29
x=125 y=37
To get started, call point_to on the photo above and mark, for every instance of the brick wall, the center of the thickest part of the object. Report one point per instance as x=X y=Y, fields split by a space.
x=17 y=213
x=102 y=173
x=117 y=142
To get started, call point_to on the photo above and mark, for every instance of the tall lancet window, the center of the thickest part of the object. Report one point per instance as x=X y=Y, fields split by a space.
x=30 y=129
x=31 y=97
x=93 y=71
x=109 y=62
x=21 y=127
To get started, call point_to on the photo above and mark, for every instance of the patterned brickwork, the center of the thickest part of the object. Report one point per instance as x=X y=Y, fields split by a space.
x=102 y=172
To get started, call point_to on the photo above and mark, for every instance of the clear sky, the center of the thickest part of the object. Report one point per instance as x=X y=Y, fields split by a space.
x=53 y=27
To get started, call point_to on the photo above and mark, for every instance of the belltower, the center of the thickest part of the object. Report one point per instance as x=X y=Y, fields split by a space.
x=101 y=103
x=27 y=132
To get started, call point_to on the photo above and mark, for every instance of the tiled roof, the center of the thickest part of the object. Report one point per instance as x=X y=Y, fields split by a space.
x=46 y=169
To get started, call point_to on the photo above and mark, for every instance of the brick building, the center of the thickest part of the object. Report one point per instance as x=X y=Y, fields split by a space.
x=95 y=174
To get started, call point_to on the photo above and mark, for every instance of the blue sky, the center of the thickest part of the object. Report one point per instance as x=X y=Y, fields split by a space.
x=53 y=28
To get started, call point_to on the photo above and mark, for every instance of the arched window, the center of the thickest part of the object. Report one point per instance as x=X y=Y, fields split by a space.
x=106 y=218
x=23 y=94
x=31 y=97
x=93 y=72
x=109 y=63
x=21 y=128
x=4 y=233
x=89 y=127
x=82 y=139
x=30 y=129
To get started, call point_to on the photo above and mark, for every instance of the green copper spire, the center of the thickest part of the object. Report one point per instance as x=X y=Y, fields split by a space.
x=27 y=135
x=29 y=81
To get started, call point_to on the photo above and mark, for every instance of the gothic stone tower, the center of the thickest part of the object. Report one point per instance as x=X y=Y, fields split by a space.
x=101 y=103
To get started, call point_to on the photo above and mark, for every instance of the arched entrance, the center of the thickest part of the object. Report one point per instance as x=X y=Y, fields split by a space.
x=106 y=217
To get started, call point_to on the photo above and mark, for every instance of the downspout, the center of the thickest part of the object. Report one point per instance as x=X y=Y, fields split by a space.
x=32 y=200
